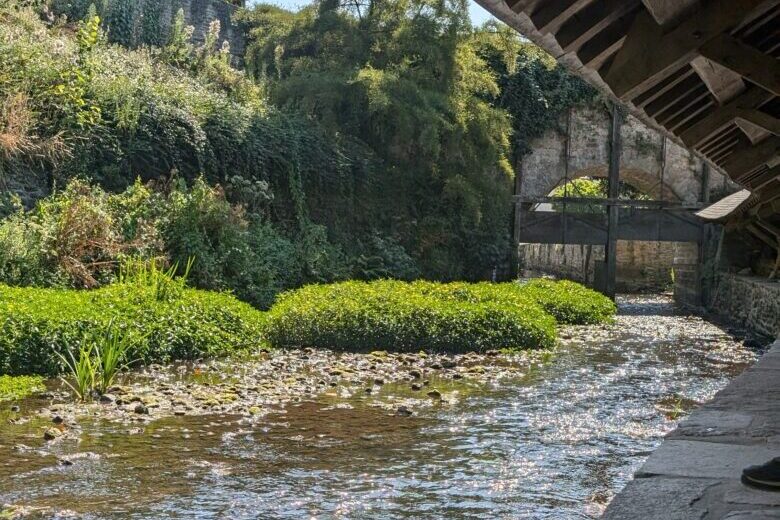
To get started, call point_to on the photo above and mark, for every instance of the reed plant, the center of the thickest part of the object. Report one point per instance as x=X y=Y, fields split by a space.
x=101 y=356
x=82 y=369
x=164 y=283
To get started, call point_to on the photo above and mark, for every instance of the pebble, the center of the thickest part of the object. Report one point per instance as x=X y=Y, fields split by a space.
x=435 y=394
x=403 y=411
x=52 y=433
x=15 y=408
x=279 y=378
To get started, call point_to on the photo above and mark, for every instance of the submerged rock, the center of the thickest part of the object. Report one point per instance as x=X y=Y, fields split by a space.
x=435 y=394
x=52 y=433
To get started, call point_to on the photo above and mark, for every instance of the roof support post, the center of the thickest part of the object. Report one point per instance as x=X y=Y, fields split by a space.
x=610 y=250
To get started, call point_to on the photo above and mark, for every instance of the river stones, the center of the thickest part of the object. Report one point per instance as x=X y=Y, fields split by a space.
x=51 y=434
x=107 y=399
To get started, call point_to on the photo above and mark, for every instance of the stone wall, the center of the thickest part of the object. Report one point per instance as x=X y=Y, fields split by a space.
x=641 y=266
x=748 y=301
x=578 y=147
x=200 y=14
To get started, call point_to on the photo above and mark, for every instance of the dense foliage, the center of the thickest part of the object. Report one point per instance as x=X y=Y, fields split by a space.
x=589 y=188
x=570 y=302
x=454 y=316
x=404 y=316
x=368 y=140
x=38 y=323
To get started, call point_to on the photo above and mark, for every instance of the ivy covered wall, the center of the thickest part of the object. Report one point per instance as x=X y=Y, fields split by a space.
x=136 y=22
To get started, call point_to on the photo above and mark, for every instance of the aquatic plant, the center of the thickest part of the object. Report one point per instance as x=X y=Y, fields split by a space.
x=82 y=369
x=402 y=316
x=111 y=352
x=197 y=324
x=570 y=302
x=17 y=387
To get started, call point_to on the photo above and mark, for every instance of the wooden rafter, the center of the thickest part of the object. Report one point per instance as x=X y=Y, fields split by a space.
x=769 y=123
x=749 y=62
x=549 y=15
x=749 y=158
x=649 y=54
x=724 y=116
x=590 y=21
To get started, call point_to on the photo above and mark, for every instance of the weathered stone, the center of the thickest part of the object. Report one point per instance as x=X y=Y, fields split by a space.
x=752 y=515
x=660 y=498
x=52 y=433
x=704 y=459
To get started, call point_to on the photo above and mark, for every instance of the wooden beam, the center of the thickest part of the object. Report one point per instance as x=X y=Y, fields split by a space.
x=752 y=64
x=724 y=116
x=664 y=87
x=649 y=55
x=772 y=175
x=769 y=123
x=759 y=178
x=590 y=21
x=549 y=16
x=758 y=233
x=613 y=188
x=607 y=42
x=751 y=157
x=770 y=194
x=517 y=6
x=672 y=96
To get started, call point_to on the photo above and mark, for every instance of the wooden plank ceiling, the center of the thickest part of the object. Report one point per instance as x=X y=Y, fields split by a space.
x=706 y=72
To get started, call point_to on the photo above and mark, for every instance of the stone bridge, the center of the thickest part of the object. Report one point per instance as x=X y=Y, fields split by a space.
x=649 y=161
x=594 y=141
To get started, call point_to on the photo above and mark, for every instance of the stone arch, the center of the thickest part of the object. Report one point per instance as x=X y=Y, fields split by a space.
x=638 y=178
x=578 y=147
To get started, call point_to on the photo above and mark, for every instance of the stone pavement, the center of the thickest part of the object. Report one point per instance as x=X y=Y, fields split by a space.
x=694 y=474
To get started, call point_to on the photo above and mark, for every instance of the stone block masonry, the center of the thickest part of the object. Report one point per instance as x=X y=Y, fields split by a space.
x=641 y=266
x=747 y=301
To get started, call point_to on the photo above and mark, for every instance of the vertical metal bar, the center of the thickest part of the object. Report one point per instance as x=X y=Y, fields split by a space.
x=705 y=182
x=518 y=190
x=613 y=189
x=706 y=236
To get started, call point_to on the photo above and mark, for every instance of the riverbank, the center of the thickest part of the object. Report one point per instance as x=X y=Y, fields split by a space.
x=511 y=434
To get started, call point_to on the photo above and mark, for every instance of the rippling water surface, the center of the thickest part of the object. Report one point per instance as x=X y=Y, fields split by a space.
x=556 y=443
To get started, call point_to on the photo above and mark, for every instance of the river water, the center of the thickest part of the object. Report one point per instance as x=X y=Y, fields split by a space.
x=556 y=442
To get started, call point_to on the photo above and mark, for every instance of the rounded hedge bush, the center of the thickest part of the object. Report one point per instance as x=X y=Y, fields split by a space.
x=404 y=316
x=36 y=323
x=570 y=302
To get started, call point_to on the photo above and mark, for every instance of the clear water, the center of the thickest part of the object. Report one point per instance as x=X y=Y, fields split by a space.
x=556 y=443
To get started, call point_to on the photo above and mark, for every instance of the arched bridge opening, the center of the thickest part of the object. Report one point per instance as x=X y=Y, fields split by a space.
x=625 y=152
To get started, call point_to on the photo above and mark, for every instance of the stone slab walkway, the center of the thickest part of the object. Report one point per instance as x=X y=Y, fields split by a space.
x=694 y=474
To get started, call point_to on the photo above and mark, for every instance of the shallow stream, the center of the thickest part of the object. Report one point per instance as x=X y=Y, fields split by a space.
x=555 y=440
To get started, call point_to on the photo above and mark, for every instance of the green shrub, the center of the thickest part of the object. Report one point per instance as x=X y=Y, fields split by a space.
x=570 y=302
x=409 y=316
x=36 y=324
x=20 y=386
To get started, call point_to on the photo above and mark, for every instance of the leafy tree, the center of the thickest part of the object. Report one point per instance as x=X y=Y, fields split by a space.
x=404 y=79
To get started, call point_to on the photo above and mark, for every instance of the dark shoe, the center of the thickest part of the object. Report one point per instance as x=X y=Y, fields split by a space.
x=766 y=476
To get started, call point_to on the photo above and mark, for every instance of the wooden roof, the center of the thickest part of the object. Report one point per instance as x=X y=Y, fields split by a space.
x=705 y=72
